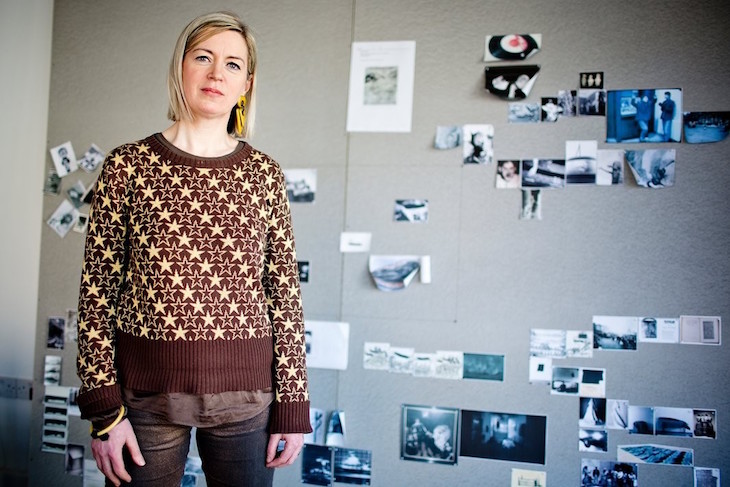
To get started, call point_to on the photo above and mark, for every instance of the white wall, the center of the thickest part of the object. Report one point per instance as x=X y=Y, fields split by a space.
x=25 y=34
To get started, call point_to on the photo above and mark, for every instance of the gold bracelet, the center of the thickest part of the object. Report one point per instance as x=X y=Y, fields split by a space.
x=104 y=433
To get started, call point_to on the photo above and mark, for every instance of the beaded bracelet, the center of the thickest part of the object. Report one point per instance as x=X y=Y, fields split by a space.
x=103 y=434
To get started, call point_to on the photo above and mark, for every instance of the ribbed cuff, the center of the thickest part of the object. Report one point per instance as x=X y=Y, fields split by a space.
x=290 y=417
x=99 y=402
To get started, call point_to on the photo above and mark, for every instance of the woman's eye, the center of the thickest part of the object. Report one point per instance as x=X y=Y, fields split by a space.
x=202 y=58
x=235 y=66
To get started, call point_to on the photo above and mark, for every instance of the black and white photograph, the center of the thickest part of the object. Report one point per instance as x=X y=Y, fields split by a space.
x=617 y=414
x=550 y=110
x=641 y=420
x=591 y=102
x=82 y=223
x=447 y=137
x=75 y=194
x=592 y=382
x=56 y=329
x=511 y=47
x=541 y=369
x=565 y=381
x=380 y=85
x=531 y=205
x=511 y=82
x=591 y=80
x=521 y=112
x=700 y=330
x=652 y=168
x=592 y=412
x=400 y=360
x=580 y=161
x=508 y=174
x=648 y=115
x=706 y=477
x=74 y=463
x=592 y=439
x=429 y=434
x=393 y=272
x=608 y=473
x=483 y=366
x=503 y=436
x=335 y=435
x=669 y=421
x=301 y=185
x=568 y=101
x=316 y=421
x=52 y=370
x=353 y=466
x=656 y=454
x=547 y=343
x=610 y=167
x=615 y=332
x=448 y=365
x=705 y=127
x=478 y=144
x=52 y=184
x=579 y=343
x=658 y=330
x=63 y=218
x=303 y=270
x=543 y=173
x=410 y=210
x=703 y=421
x=91 y=158
x=317 y=465
x=64 y=159
x=376 y=356
x=423 y=364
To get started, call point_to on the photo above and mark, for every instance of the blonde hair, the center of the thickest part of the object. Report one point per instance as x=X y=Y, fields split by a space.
x=199 y=30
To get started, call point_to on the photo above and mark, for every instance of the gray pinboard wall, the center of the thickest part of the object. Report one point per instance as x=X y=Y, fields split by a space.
x=597 y=251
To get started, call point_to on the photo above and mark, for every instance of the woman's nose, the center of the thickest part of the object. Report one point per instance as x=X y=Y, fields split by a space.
x=216 y=71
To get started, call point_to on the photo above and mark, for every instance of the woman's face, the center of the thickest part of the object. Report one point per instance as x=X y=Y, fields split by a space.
x=215 y=75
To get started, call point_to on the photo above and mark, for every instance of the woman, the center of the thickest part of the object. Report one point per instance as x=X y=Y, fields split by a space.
x=190 y=308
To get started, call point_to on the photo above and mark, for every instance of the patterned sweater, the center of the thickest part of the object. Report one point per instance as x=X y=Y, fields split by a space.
x=190 y=281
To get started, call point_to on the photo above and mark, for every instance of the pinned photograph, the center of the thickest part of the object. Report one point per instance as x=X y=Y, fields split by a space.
x=565 y=381
x=301 y=185
x=704 y=423
x=303 y=270
x=428 y=434
x=609 y=167
x=615 y=332
x=449 y=365
x=52 y=370
x=699 y=330
x=376 y=356
x=316 y=421
x=91 y=158
x=353 y=466
x=653 y=168
x=592 y=382
x=410 y=210
x=64 y=218
x=64 y=159
x=541 y=369
x=656 y=454
x=52 y=184
x=578 y=343
x=423 y=365
x=580 y=161
x=531 y=205
x=76 y=193
x=401 y=360
x=533 y=478
x=617 y=414
x=483 y=366
x=673 y=421
x=591 y=439
x=478 y=144
x=607 y=473
x=706 y=477
x=508 y=174
x=644 y=116
x=705 y=127
x=591 y=102
x=393 y=272
x=56 y=329
x=521 y=112
x=82 y=223
x=336 y=429
x=511 y=82
x=447 y=137
x=512 y=47
x=658 y=330
x=591 y=80
x=592 y=412
x=550 y=110
x=381 y=85
x=503 y=436
x=568 y=102
x=543 y=173
x=547 y=343
x=641 y=420
x=317 y=464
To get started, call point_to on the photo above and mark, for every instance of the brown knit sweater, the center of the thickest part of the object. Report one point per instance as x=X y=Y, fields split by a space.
x=190 y=281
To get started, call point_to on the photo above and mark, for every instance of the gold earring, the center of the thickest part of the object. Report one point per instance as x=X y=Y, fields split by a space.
x=241 y=115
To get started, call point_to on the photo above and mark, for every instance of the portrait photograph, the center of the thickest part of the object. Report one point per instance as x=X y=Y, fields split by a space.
x=429 y=434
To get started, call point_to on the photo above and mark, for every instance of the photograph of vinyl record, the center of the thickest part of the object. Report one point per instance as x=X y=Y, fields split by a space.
x=511 y=82
x=512 y=47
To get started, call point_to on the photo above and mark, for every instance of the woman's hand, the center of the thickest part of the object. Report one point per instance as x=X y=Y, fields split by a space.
x=292 y=447
x=108 y=454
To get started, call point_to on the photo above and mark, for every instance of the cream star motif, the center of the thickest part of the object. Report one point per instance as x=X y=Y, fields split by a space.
x=224 y=294
x=233 y=307
x=148 y=192
x=169 y=320
x=105 y=343
x=255 y=199
x=222 y=194
x=144 y=148
x=185 y=192
x=143 y=239
x=174 y=226
x=288 y=324
x=227 y=242
x=101 y=376
x=102 y=301
x=232 y=207
x=83 y=325
x=188 y=293
x=213 y=182
x=154 y=159
x=154 y=251
x=282 y=360
x=116 y=267
x=198 y=306
x=93 y=334
x=218 y=332
x=215 y=280
x=106 y=202
x=292 y=371
x=194 y=253
x=205 y=217
x=251 y=332
x=205 y=267
x=238 y=173
x=175 y=180
x=269 y=180
x=144 y=331
x=262 y=213
x=208 y=319
x=165 y=265
x=278 y=314
x=118 y=159
x=156 y=204
x=257 y=156
x=237 y=255
x=204 y=171
x=180 y=333
x=115 y=217
x=93 y=290
x=300 y=384
x=98 y=240
x=250 y=281
x=195 y=205
x=216 y=230
x=177 y=279
x=247 y=185
x=184 y=240
x=164 y=214
x=139 y=180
